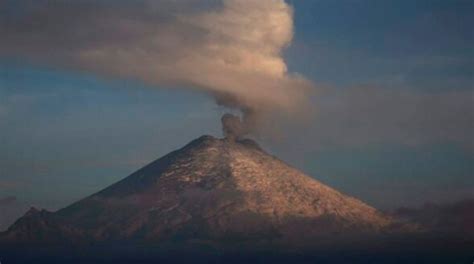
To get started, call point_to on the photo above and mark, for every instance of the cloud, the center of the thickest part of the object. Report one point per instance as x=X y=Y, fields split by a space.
x=231 y=50
x=368 y=115
x=456 y=218
x=9 y=184
x=409 y=117
x=7 y=200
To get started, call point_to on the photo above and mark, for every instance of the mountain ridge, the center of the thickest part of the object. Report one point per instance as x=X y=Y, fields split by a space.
x=211 y=190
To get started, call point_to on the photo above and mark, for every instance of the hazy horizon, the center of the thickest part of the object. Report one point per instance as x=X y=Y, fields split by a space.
x=392 y=95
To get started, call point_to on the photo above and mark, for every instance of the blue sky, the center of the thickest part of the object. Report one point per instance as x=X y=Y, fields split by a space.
x=393 y=123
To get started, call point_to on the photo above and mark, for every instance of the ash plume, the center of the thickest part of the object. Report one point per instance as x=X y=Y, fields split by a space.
x=230 y=49
x=235 y=128
x=232 y=126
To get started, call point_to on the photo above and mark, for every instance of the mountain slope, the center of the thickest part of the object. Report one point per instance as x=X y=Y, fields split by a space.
x=212 y=190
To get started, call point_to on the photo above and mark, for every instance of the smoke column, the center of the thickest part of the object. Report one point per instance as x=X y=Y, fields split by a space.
x=231 y=49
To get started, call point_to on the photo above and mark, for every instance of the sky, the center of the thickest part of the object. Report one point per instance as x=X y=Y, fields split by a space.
x=391 y=97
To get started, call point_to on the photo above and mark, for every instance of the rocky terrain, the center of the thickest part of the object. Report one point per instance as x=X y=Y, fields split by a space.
x=226 y=201
x=210 y=190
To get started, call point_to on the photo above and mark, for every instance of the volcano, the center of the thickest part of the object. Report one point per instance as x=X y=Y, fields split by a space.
x=210 y=190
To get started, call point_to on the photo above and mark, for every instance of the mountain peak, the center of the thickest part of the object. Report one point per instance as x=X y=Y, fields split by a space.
x=210 y=140
x=202 y=140
x=32 y=211
x=216 y=189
